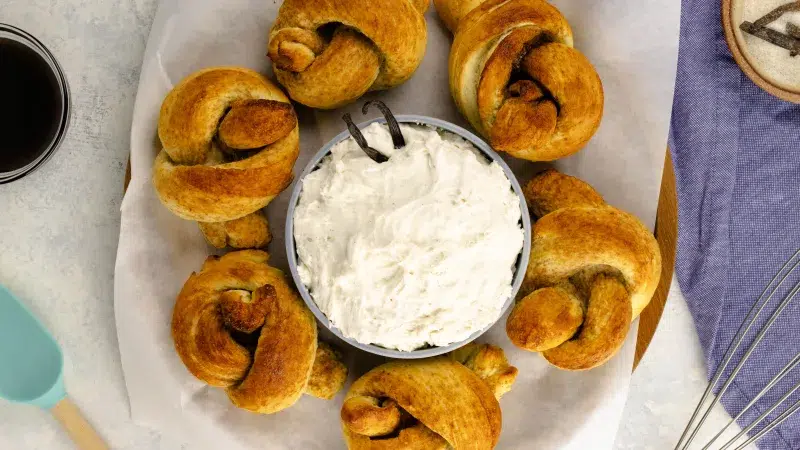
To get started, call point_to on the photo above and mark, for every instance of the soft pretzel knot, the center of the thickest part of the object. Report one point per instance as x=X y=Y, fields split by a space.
x=230 y=140
x=238 y=325
x=250 y=231
x=327 y=53
x=445 y=402
x=517 y=79
x=592 y=270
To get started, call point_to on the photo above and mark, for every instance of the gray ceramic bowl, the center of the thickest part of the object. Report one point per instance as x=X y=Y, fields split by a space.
x=522 y=260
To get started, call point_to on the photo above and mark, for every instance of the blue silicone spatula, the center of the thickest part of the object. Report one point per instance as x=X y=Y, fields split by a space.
x=31 y=366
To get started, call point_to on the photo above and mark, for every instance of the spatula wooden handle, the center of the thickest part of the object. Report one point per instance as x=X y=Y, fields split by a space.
x=79 y=429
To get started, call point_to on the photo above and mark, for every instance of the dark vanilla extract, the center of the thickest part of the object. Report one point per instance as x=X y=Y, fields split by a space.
x=30 y=105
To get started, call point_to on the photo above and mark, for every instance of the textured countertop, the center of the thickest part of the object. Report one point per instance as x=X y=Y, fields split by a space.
x=59 y=238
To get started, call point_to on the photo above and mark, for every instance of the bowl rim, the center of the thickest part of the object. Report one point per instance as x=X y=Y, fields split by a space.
x=480 y=145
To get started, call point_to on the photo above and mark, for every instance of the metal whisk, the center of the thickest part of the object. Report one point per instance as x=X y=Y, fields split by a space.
x=763 y=300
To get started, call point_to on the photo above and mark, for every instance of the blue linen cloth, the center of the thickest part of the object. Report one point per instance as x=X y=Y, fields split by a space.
x=736 y=151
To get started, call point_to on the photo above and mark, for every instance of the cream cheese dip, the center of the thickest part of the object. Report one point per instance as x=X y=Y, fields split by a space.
x=416 y=251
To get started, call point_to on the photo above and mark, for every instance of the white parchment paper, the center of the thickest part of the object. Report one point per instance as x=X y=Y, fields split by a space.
x=633 y=45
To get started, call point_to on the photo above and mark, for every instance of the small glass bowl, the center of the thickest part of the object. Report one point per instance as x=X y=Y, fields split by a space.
x=15 y=34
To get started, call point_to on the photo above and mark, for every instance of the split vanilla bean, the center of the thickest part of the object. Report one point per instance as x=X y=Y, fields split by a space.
x=375 y=155
x=391 y=122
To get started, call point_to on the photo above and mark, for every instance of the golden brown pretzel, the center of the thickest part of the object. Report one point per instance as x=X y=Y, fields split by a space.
x=327 y=53
x=515 y=76
x=592 y=270
x=214 y=322
x=452 y=11
x=250 y=231
x=437 y=403
x=230 y=140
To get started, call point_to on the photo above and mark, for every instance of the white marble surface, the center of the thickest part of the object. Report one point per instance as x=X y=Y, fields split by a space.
x=59 y=235
x=667 y=384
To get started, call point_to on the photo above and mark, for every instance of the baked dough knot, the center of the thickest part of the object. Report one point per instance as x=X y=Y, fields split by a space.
x=592 y=270
x=230 y=140
x=238 y=325
x=328 y=53
x=445 y=402
x=516 y=77
x=250 y=231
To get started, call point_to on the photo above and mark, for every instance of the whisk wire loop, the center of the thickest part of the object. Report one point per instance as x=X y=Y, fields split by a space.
x=689 y=433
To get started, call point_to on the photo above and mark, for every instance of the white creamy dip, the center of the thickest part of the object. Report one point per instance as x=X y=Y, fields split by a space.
x=418 y=250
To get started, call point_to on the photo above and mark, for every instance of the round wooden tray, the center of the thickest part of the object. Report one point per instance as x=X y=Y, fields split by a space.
x=666 y=232
x=667 y=235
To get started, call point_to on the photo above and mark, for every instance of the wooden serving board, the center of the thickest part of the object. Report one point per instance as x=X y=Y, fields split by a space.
x=666 y=232
x=667 y=236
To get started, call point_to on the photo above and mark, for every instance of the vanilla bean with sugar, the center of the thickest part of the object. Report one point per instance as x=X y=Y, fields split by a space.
x=776 y=13
x=774 y=37
x=793 y=30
